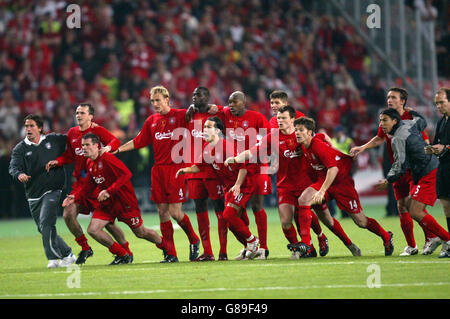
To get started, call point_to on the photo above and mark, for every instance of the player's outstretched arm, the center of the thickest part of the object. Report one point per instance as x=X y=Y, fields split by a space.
x=128 y=146
x=187 y=170
x=374 y=142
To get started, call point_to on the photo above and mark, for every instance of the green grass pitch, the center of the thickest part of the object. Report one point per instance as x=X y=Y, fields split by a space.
x=339 y=275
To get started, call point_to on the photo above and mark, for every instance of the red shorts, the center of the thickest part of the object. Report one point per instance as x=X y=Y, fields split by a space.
x=204 y=188
x=345 y=194
x=263 y=184
x=425 y=190
x=132 y=217
x=291 y=198
x=288 y=196
x=86 y=204
x=402 y=186
x=166 y=188
x=240 y=200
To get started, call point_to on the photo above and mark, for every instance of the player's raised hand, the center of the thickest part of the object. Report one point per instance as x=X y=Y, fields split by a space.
x=318 y=198
x=229 y=160
x=213 y=109
x=104 y=195
x=236 y=190
x=23 y=178
x=355 y=151
x=382 y=185
x=181 y=171
x=190 y=112
x=105 y=149
x=50 y=165
x=69 y=200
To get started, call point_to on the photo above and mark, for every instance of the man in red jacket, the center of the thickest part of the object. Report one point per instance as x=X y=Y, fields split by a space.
x=109 y=180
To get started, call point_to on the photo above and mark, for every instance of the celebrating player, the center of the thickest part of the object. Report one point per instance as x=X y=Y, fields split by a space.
x=245 y=127
x=109 y=180
x=160 y=130
x=292 y=178
x=332 y=178
x=205 y=184
x=84 y=115
x=237 y=181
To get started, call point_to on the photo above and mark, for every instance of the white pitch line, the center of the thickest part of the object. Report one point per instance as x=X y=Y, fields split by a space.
x=162 y=291
x=240 y=264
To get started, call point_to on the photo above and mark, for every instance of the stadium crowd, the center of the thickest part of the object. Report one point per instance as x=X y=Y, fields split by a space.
x=124 y=48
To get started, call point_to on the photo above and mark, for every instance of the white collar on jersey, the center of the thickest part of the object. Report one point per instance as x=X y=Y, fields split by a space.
x=28 y=142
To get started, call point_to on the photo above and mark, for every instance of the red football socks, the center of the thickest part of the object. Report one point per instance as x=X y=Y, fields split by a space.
x=83 y=242
x=261 y=225
x=428 y=234
x=117 y=249
x=291 y=235
x=304 y=221
x=432 y=225
x=340 y=233
x=223 y=230
x=315 y=225
x=167 y=234
x=374 y=227
x=126 y=246
x=407 y=226
x=186 y=225
x=236 y=225
x=203 y=228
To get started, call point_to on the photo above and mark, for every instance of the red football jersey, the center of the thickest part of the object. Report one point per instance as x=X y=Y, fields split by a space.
x=406 y=116
x=321 y=156
x=273 y=121
x=164 y=133
x=74 y=152
x=195 y=127
x=215 y=157
x=108 y=172
x=250 y=127
x=292 y=168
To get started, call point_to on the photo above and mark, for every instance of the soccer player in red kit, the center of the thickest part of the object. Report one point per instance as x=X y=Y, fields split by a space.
x=109 y=180
x=164 y=131
x=84 y=115
x=236 y=178
x=278 y=99
x=205 y=184
x=246 y=127
x=332 y=178
x=292 y=178
x=396 y=99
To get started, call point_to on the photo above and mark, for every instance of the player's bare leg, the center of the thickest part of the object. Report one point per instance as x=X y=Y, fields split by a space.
x=95 y=229
x=70 y=215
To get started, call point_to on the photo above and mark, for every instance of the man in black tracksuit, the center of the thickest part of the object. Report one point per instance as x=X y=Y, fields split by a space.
x=42 y=189
x=408 y=150
x=441 y=148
